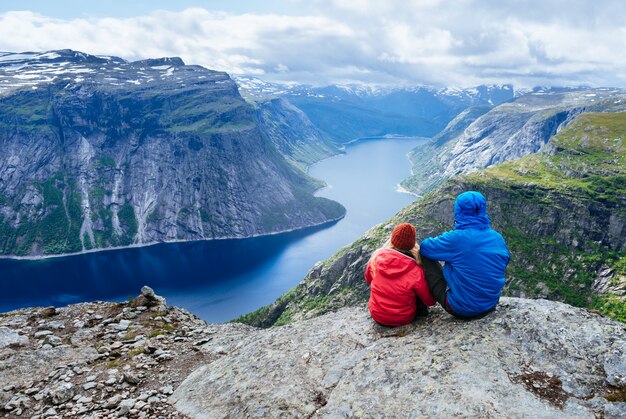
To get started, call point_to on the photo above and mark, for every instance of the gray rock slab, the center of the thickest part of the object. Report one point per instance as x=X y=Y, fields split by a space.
x=10 y=337
x=530 y=358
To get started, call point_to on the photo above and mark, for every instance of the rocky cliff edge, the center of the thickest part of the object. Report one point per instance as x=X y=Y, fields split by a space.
x=530 y=358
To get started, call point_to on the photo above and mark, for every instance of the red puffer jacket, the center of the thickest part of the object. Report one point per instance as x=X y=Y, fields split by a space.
x=396 y=280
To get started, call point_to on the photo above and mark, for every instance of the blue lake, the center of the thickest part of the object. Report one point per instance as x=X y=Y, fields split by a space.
x=221 y=279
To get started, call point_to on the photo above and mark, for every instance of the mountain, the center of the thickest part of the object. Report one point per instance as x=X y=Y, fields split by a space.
x=98 y=152
x=141 y=358
x=477 y=139
x=347 y=112
x=561 y=211
x=293 y=134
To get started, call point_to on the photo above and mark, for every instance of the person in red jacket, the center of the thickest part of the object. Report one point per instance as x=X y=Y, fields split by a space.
x=398 y=289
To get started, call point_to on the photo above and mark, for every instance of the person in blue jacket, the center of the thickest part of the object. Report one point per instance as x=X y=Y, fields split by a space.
x=475 y=259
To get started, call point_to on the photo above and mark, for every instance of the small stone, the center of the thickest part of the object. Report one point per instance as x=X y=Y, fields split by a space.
x=42 y=333
x=89 y=386
x=112 y=402
x=53 y=325
x=53 y=340
x=31 y=390
x=11 y=405
x=148 y=292
x=165 y=357
x=8 y=388
x=62 y=393
x=131 y=378
x=153 y=400
x=91 y=378
x=167 y=390
x=79 y=324
x=126 y=405
x=48 y=312
x=50 y=412
x=122 y=325
x=85 y=400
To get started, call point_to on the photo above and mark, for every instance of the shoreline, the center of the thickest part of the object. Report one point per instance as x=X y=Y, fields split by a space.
x=401 y=189
x=149 y=244
x=398 y=189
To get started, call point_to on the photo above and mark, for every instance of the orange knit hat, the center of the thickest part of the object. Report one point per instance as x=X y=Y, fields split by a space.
x=403 y=237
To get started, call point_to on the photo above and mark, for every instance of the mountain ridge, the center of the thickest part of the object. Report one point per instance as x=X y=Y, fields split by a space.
x=346 y=113
x=506 y=132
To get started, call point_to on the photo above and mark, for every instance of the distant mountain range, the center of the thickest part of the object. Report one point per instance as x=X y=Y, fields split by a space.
x=348 y=112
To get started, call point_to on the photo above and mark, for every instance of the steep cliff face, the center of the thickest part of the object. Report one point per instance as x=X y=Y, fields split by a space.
x=293 y=134
x=562 y=212
x=347 y=112
x=98 y=152
x=509 y=131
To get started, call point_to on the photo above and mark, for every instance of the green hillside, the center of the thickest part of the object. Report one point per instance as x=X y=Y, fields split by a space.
x=562 y=212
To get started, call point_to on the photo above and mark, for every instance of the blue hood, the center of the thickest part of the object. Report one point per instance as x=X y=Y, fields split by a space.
x=470 y=211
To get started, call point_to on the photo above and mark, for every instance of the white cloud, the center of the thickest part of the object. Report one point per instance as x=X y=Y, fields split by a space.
x=444 y=42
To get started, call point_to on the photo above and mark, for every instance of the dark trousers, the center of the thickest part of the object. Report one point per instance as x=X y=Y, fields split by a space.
x=438 y=286
x=436 y=282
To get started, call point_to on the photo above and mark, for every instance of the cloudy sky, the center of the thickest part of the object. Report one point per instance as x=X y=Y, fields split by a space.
x=439 y=42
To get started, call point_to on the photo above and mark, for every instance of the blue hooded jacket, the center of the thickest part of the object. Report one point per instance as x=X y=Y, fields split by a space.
x=475 y=255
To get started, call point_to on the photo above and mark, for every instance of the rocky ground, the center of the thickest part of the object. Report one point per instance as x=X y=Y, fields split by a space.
x=143 y=359
x=100 y=359
x=528 y=359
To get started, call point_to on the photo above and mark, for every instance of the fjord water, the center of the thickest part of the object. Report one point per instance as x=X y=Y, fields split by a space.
x=221 y=279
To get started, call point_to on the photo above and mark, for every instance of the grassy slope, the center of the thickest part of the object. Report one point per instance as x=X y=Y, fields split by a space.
x=586 y=164
x=552 y=208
